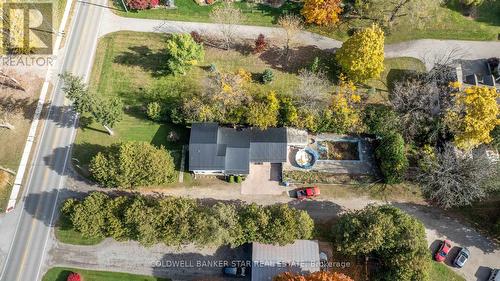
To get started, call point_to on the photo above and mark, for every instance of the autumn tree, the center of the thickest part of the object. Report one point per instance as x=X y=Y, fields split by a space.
x=183 y=52
x=449 y=178
x=315 y=276
x=263 y=113
x=322 y=12
x=390 y=234
x=362 y=55
x=291 y=25
x=260 y=44
x=314 y=88
x=417 y=103
x=344 y=113
x=227 y=17
x=474 y=116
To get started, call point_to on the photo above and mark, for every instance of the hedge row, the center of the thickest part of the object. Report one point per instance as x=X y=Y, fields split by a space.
x=178 y=221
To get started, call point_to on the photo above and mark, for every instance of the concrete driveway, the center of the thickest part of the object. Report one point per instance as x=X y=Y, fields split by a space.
x=263 y=179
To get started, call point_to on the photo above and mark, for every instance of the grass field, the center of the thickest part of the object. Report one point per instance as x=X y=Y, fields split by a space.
x=65 y=233
x=441 y=272
x=61 y=273
x=447 y=22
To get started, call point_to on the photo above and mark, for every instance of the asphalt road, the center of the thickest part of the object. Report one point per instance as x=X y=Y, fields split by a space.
x=26 y=256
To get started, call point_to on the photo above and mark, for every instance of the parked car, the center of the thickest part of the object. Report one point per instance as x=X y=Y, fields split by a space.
x=461 y=258
x=494 y=275
x=443 y=251
x=235 y=271
x=307 y=192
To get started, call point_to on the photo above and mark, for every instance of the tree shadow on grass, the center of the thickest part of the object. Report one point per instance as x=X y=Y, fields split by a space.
x=299 y=58
x=63 y=275
x=144 y=57
x=398 y=75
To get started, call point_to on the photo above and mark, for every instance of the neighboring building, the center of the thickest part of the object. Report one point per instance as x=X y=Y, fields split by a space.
x=480 y=72
x=270 y=260
x=227 y=151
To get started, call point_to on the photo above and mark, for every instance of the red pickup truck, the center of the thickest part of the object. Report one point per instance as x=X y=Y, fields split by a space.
x=307 y=192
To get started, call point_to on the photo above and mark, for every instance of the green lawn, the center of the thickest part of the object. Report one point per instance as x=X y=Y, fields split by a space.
x=131 y=66
x=447 y=22
x=66 y=234
x=61 y=273
x=394 y=69
x=441 y=272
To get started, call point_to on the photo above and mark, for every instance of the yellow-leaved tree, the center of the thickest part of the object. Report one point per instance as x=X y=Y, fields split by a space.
x=322 y=12
x=362 y=55
x=474 y=116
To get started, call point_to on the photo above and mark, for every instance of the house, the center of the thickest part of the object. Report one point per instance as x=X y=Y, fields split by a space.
x=480 y=72
x=302 y=256
x=217 y=150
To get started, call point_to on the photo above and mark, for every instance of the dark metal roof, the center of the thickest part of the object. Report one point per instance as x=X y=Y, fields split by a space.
x=214 y=148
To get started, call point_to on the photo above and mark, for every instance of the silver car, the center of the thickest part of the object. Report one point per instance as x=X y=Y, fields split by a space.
x=461 y=258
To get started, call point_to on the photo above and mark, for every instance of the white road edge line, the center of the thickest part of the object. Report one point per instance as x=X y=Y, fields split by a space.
x=73 y=135
x=61 y=181
x=36 y=118
x=29 y=141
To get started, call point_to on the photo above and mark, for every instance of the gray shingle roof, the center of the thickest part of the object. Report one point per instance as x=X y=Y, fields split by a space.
x=270 y=260
x=214 y=148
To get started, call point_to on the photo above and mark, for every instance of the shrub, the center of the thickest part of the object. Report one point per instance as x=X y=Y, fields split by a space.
x=183 y=52
x=380 y=120
x=138 y=4
x=132 y=164
x=392 y=157
x=154 y=3
x=231 y=179
x=73 y=276
x=260 y=44
x=196 y=37
x=267 y=76
x=239 y=179
x=212 y=67
x=154 y=111
x=244 y=75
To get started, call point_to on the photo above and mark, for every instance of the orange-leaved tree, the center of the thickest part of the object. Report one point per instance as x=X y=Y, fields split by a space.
x=316 y=276
x=322 y=12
